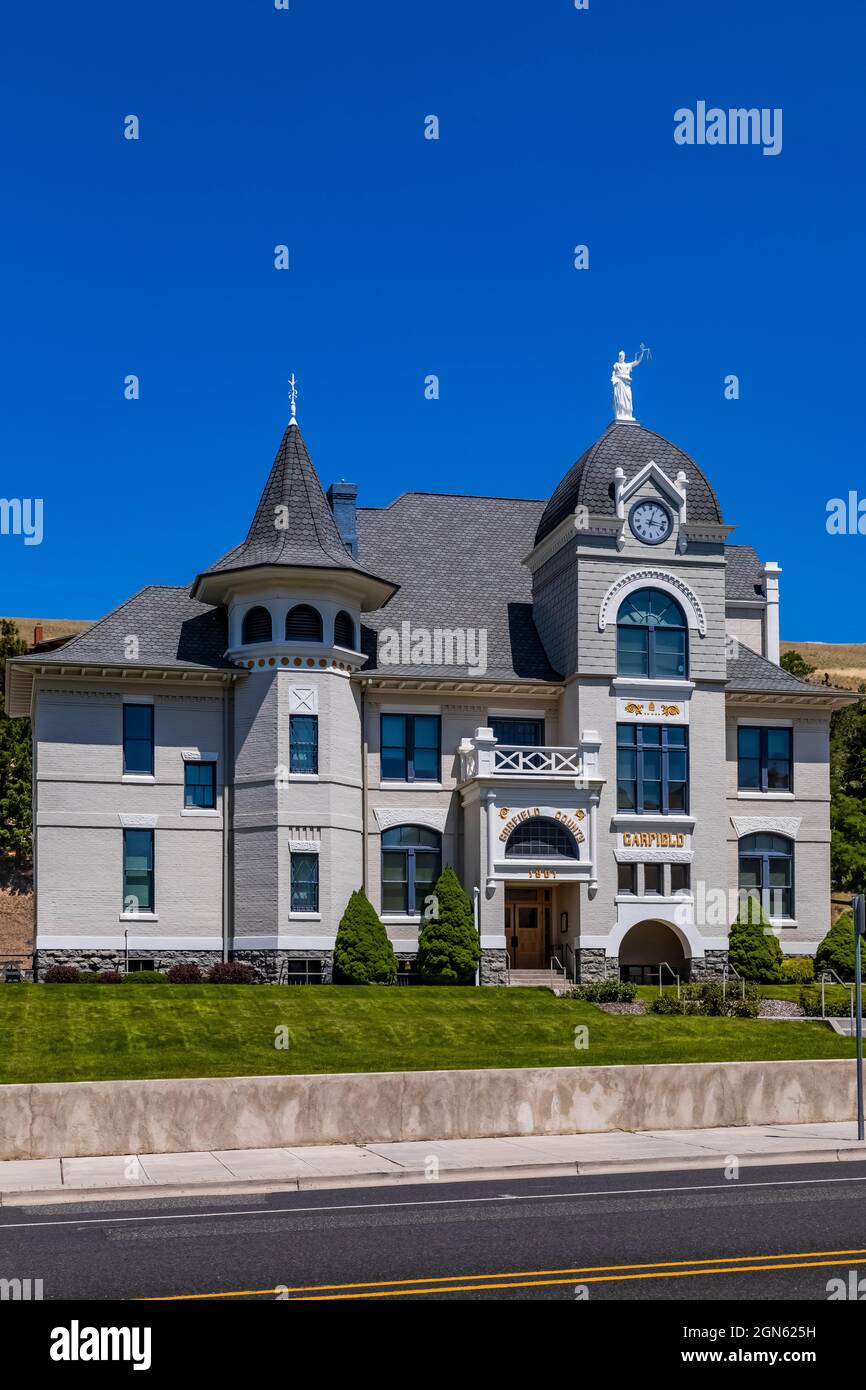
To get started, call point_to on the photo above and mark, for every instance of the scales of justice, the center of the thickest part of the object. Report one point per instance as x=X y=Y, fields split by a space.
x=621 y=381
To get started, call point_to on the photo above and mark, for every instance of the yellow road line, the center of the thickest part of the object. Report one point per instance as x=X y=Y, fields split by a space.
x=693 y=1267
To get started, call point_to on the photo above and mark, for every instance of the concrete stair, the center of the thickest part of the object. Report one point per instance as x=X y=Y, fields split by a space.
x=538 y=979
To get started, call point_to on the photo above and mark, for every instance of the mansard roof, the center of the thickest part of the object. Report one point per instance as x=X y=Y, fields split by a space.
x=753 y=674
x=458 y=562
x=293 y=528
x=589 y=482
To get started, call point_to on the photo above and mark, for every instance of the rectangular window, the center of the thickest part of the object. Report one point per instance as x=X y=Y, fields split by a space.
x=681 y=878
x=138 y=895
x=525 y=732
x=653 y=878
x=303 y=743
x=305 y=883
x=626 y=878
x=411 y=747
x=652 y=769
x=764 y=759
x=138 y=738
x=199 y=786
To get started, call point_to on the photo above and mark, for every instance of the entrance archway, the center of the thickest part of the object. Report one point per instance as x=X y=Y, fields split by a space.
x=645 y=946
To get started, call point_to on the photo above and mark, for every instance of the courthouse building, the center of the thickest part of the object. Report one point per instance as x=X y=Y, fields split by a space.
x=577 y=702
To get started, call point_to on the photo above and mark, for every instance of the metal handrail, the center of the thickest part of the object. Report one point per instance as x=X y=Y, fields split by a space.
x=554 y=960
x=847 y=984
x=570 y=951
x=663 y=965
x=732 y=970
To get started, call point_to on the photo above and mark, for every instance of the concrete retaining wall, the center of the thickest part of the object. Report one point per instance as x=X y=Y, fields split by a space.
x=79 y=1119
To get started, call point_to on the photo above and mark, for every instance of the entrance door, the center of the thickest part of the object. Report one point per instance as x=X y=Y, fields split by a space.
x=525 y=936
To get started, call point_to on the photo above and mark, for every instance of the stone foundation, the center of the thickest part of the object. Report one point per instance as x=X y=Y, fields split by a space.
x=709 y=967
x=494 y=967
x=93 y=960
x=273 y=967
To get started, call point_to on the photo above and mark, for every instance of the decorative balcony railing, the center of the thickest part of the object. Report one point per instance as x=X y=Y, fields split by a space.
x=482 y=756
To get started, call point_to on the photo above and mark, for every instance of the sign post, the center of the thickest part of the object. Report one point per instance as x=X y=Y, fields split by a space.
x=859 y=906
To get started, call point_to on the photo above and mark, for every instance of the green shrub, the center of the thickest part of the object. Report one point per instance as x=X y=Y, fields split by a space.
x=836 y=951
x=448 y=945
x=230 y=972
x=835 y=1005
x=753 y=949
x=744 y=1008
x=606 y=992
x=363 y=955
x=62 y=975
x=798 y=970
x=145 y=977
x=666 y=1004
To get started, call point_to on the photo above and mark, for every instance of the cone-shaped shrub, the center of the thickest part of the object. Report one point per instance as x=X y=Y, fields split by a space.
x=448 y=948
x=753 y=949
x=363 y=955
x=836 y=951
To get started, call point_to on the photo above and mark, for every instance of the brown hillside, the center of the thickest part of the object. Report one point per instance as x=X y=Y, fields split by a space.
x=51 y=627
x=843 y=662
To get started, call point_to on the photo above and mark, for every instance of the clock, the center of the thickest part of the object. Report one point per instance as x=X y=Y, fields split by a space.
x=650 y=521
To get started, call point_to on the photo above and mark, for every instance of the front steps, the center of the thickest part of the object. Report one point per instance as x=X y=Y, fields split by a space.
x=537 y=979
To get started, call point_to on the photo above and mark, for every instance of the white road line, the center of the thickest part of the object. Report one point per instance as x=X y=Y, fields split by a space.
x=432 y=1202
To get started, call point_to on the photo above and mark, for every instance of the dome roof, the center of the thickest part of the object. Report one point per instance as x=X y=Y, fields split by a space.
x=589 y=482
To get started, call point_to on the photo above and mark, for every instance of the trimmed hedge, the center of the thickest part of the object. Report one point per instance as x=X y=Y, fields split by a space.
x=798 y=970
x=753 y=949
x=62 y=975
x=184 y=972
x=145 y=977
x=836 y=951
x=448 y=945
x=363 y=954
x=109 y=977
x=605 y=992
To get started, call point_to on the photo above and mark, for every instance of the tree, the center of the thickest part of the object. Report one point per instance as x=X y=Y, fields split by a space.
x=836 y=951
x=794 y=663
x=848 y=798
x=15 y=770
x=363 y=955
x=753 y=949
x=448 y=947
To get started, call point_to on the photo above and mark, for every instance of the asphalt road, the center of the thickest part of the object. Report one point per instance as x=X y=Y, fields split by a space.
x=775 y=1233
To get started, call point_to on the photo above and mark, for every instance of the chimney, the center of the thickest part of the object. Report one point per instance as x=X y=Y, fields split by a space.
x=342 y=497
x=771 y=637
x=37 y=634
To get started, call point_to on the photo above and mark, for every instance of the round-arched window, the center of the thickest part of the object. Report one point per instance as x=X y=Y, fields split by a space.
x=411 y=864
x=256 y=626
x=541 y=838
x=303 y=624
x=651 y=635
x=766 y=872
x=344 y=631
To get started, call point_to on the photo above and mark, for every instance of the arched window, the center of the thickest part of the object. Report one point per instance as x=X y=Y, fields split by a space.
x=411 y=864
x=767 y=872
x=303 y=624
x=344 y=631
x=541 y=838
x=256 y=626
x=651 y=636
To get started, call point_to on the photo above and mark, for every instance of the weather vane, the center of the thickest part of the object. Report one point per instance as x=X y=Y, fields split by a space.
x=293 y=398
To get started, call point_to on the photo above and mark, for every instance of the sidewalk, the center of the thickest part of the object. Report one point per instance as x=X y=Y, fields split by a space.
x=31 y=1181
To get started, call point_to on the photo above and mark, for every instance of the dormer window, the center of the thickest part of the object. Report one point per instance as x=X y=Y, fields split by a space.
x=303 y=624
x=651 y=636
x=344 y=631
x=256 y=626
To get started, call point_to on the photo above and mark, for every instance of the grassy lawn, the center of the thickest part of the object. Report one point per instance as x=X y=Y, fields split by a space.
x=99 y=1032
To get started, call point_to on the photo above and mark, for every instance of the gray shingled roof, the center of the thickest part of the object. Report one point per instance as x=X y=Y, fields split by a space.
x=744 y=576
x=589 y=482
x=173 y=630
x=457 y=560
x=748 y=671
x=310 y=538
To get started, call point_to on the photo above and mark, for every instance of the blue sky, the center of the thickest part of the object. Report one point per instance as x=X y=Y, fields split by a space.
x=411 y=257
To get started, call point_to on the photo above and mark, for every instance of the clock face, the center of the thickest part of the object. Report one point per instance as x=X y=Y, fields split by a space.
x=651 y=521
